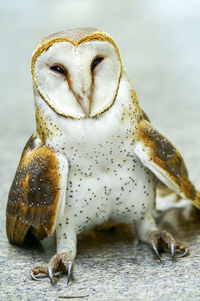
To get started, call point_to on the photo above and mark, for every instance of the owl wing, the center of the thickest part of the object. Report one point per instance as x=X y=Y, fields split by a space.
x=158 y=154
x=37 y=194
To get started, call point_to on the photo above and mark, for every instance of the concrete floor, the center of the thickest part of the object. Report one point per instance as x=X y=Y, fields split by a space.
x=160 y=47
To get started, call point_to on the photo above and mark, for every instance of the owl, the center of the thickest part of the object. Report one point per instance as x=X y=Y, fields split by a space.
x=94 y=155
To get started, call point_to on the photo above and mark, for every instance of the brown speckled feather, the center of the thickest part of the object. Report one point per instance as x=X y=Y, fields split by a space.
x=163 y=159
x=34 y=194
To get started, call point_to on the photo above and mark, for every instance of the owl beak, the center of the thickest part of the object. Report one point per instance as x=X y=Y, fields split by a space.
x=84 y=101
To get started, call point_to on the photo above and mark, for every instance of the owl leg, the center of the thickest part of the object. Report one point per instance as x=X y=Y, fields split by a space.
x=63 y=261
x=159 y=240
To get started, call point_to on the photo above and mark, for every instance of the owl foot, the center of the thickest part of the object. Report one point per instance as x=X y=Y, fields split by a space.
x=162 y=240
x=59 y=263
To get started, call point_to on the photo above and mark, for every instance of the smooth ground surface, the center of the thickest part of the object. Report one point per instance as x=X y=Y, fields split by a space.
x=160 y=47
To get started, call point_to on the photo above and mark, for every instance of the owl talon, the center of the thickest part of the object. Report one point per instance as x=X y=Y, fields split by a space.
x=36 y=270
x=172 y=247
x=59 y=263
x=153 y=244
x=33 y=277
x=183 y=249
x=164 y=240
x=50 y=275
x=70 y=265
x=183 y=254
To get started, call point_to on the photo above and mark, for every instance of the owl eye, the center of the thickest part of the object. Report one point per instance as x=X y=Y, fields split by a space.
x=96 y=62
x=58 y=69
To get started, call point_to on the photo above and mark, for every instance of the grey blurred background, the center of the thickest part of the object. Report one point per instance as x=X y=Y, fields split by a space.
x=159 y=43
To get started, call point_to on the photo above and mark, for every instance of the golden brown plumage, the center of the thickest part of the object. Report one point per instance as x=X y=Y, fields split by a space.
x=170 y=165
x=33 y=197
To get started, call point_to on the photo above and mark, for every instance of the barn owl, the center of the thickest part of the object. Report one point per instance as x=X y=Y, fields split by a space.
x=94 y=155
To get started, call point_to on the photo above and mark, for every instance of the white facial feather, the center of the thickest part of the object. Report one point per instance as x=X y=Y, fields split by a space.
x=81 y=87
x=54 y=86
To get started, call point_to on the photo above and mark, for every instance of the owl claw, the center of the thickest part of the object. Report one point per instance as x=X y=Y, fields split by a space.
x=164 y=240
x=183 y=254
x=50 y=274
x=33 y=276
x=59 y=263
x=70 y=265
x=183 y=249
x=172 y=247
x=38 y=270
x=153 y=244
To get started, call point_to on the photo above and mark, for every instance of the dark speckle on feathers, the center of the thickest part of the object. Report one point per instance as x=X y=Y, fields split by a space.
x=166 y=156
x=165 y=150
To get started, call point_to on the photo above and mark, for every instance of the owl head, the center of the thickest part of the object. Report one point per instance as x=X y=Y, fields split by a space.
x=77 y=72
